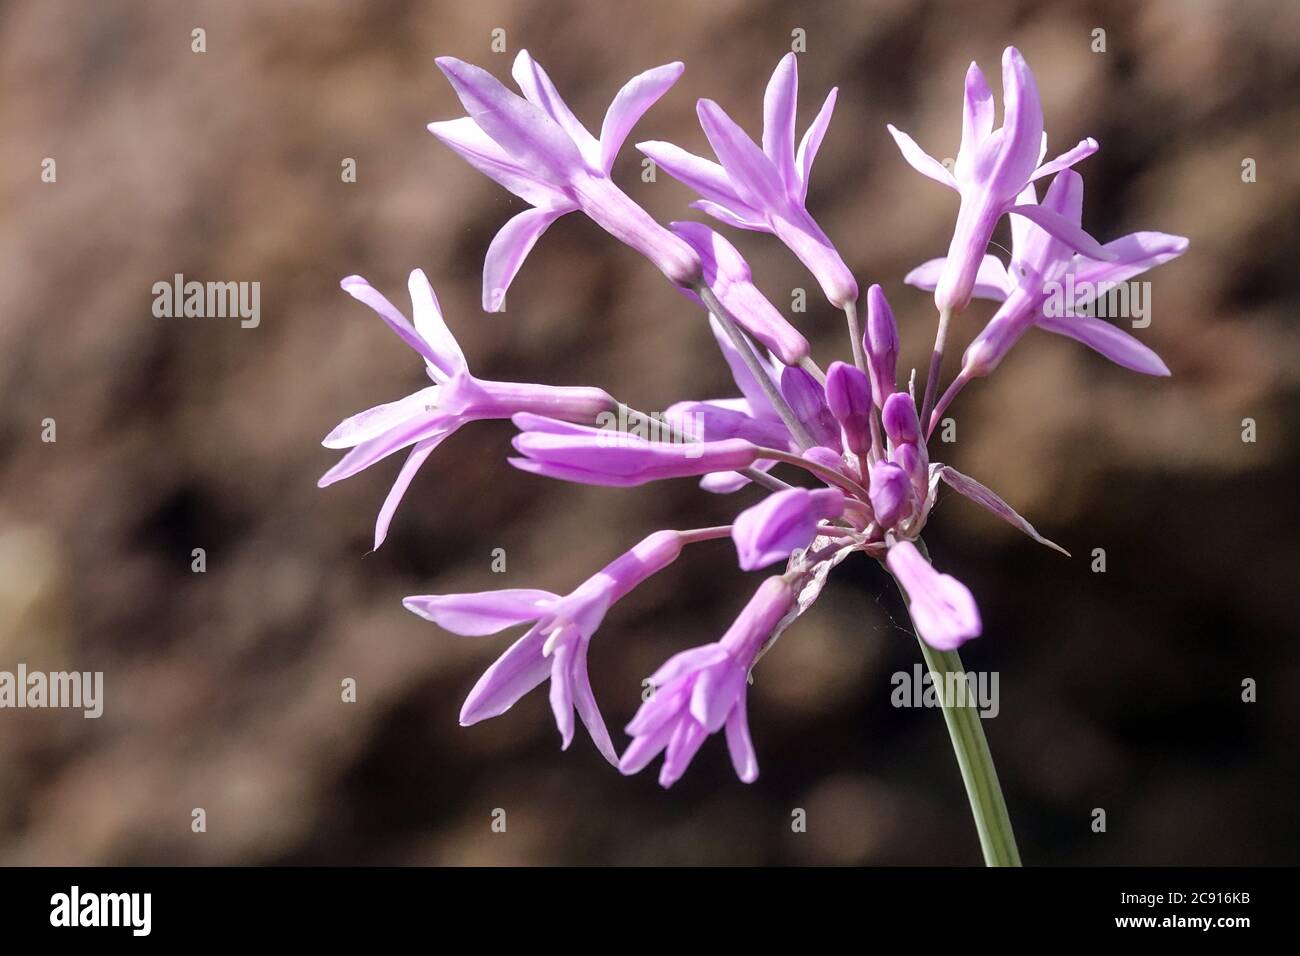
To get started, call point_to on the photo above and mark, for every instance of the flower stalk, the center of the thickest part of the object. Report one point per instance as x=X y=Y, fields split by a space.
x=978 y=774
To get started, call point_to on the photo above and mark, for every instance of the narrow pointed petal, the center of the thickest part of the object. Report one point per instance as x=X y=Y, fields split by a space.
x=478 y=149
x=1067 y=159
x=683 y=745
x=363 y=291
x=561 y=693
x=697 y=658
x=981 y=495
x=1114 y=343
x=373 y=422
x=523 y=130
x=704 y=176
x=482 y=612
x=920 y=160
x=1132 y=255
x=584 y=699
x=812 y=141
x=540 y=91
x=1022 y=127
x=419 y=454
x=726 y=215
x=521 y=668
x=715 y=692
x=991 y=282
x=509 y=249
x=977 y=109
x=429 y=323
x=1022 y=229
x=739 y=744
x=643 y=749
x=368 y=452
x=752 y=174
x=780 y=101
x=637 y=95
x=1067 y=232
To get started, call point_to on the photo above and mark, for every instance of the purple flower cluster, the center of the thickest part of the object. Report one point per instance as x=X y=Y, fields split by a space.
x=859 y=442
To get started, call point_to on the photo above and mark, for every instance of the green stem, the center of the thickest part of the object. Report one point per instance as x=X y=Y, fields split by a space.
x=987 y=805
x=977 y=771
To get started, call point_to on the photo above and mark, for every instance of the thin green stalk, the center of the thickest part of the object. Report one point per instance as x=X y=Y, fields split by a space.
x=977 y=771
x=997 y=840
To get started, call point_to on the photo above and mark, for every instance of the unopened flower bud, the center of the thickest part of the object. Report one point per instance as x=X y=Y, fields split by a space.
x=807 y=400
x=898 y=416
x=881 y=343
x=891 y=494
x=781 y=523
x=848 y=395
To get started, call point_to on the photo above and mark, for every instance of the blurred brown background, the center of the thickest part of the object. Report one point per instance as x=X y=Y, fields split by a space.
x=1118 y=690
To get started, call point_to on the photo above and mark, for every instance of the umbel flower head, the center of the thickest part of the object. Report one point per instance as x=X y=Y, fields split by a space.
x=822 y=465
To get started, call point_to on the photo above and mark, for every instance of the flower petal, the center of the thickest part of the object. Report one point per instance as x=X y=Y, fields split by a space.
x=509 y=249
x=715 y=693
x=780 y=101
x=481 y=612
x=540 y=91
x=637 y=95
x=812 y=141
x=521 y=668
x=1114 y=343
x=991 y=282
x=561 y=694
x=685 y=742
x=920 y=160
x=752 y=174
x=363 y=291
x=645 y=748
x=414 y=460
x=724 y=214
x=431 y=327
x=1132 y=255
x=373 y=422
x=523 y=130
x=1022 y=127
x=697 y=658
x=739 y=744
x=478 y=149
x=585 y=701
x=977 y=109
x=703 y=175
x=1061 y=228
x=366 y=453
x=1067 y=159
